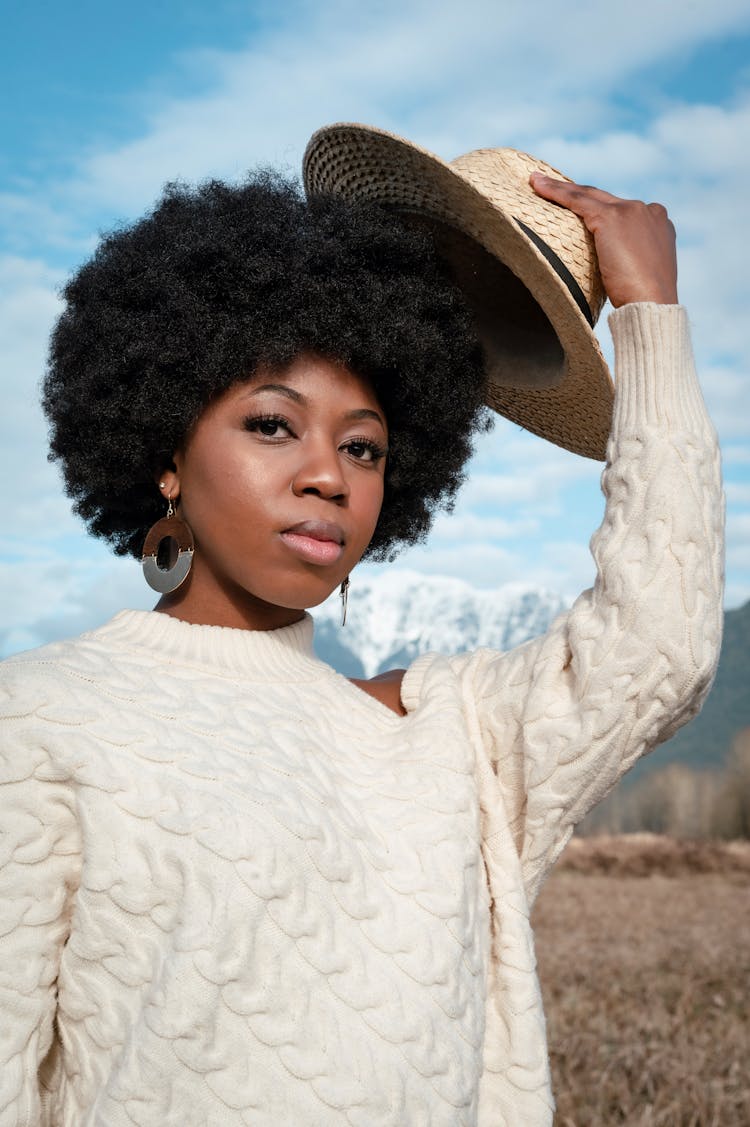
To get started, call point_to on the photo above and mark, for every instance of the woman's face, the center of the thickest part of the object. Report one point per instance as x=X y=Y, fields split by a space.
x=281 y=482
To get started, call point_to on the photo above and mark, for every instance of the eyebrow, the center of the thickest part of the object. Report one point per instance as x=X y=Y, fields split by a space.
x=297 y=397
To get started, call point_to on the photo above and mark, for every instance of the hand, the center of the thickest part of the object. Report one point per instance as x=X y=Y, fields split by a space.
x=635 y=242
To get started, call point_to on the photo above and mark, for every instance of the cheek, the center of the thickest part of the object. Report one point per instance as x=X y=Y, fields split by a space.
x=221 y=490
x=371 y=506
x=228 y=466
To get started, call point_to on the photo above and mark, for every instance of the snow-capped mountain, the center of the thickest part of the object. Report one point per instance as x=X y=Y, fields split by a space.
x=396 y=615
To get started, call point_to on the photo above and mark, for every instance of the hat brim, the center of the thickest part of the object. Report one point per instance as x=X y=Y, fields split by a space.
x=545 y=368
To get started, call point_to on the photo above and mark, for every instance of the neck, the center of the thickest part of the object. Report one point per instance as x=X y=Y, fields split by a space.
x=237 y=610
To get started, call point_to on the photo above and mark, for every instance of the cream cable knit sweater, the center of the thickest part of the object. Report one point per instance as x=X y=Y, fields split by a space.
x=237 y=890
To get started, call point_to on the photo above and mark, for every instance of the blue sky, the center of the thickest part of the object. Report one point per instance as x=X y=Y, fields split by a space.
x=101 y=104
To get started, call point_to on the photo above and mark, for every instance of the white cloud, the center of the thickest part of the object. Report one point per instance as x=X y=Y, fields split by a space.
x=27 y=218
x=511 y=469
x=484 y=565
x=737 y=594
x=28 y=306
x=738 y=492
x=738 y=557
x=562 y=566
x=452 y=76
x=474 y=526
x=738 y=528
x=725 y=392
x=701 y=140
x=735 y=454
x=52 y=596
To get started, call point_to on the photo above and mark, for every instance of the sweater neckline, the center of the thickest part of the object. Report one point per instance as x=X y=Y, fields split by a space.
x=285 y=654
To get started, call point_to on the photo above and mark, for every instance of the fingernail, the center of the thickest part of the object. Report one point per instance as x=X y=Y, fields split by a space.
x=540 y=176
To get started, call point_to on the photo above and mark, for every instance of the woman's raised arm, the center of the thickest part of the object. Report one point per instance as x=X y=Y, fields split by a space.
x=563 y=717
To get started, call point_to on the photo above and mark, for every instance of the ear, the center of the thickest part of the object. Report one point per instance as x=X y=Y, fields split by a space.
x=169 y=481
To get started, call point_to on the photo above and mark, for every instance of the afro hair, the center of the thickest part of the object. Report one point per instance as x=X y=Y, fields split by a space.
x=220 y=279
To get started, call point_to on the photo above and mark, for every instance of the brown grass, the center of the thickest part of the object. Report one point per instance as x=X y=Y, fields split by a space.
x=644 y=956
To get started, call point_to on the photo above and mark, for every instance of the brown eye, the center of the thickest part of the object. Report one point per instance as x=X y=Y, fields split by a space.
x=360 y=450
x=268 y=425
x=364 y=450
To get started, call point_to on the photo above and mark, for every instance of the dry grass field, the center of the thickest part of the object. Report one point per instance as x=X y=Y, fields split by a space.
x=643 y=946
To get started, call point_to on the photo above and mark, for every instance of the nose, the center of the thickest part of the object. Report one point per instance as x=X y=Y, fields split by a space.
x=320 y=473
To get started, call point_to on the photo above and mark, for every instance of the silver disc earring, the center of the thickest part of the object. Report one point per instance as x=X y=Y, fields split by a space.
x=344 y=592
x=179 y=553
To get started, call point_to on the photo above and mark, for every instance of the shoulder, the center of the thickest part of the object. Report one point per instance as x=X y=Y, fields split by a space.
x=50 y=654
x=38 y=675
x=386 y=688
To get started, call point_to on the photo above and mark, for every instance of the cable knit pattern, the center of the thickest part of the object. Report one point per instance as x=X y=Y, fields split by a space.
x=237 y=889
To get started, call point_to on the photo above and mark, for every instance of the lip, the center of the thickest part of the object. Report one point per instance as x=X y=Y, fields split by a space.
x=318 y=530
x=315 y=541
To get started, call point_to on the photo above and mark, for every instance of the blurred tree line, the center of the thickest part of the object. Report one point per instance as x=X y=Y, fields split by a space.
x=681 y=801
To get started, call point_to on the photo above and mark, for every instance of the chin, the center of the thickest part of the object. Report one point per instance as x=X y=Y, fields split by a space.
x=303 y=596
x=309 y=603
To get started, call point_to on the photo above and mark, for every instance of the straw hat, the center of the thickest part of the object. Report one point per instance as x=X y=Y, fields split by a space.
x=527 y=267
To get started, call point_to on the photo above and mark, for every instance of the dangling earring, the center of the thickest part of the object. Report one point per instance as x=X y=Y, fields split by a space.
x=344 y=592
x=171 y=527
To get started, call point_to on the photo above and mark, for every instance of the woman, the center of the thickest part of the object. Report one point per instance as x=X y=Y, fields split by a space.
x=238 y=888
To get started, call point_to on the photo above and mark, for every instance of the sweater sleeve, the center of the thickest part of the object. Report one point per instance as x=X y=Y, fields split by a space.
x=559 y=720
x=39 y=871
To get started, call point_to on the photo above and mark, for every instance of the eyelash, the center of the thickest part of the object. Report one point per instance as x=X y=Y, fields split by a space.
x=254 y=422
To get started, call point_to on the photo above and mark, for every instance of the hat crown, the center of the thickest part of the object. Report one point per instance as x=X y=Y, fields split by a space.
x=502 y=176
x=527 y=269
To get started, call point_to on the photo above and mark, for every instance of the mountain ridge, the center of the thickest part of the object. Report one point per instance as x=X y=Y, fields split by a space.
x=395 y=616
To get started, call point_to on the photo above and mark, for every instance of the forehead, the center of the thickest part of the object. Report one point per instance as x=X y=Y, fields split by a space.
x=315 y=381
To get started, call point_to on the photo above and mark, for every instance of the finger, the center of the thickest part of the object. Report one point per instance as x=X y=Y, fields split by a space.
x=578 y=198
x=659 y=211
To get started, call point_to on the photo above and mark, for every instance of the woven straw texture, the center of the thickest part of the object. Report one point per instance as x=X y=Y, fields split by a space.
x=483 y=194
x=503 y=176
